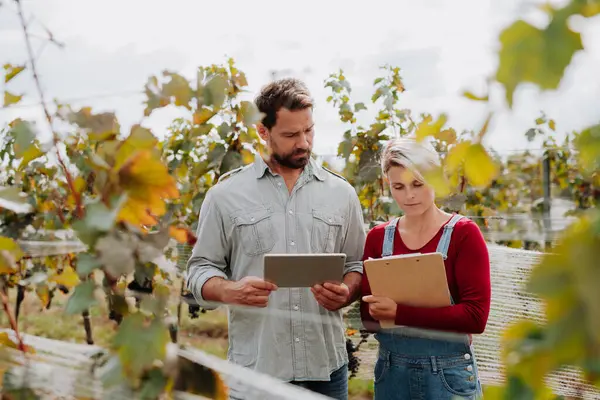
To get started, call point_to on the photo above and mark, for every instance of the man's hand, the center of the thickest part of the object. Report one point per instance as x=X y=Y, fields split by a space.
x=381 y=308
x=250 y=290
x=331 y=296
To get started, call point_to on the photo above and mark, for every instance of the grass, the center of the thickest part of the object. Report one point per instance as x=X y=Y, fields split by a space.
x=208 y=332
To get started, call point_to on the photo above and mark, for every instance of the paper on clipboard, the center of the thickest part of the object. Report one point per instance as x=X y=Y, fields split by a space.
x=413 y=279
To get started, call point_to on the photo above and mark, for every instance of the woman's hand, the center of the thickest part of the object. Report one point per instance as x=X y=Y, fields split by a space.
x=381 y=308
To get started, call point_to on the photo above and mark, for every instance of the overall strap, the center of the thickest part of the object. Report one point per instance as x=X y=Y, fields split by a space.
x=388 y=239
x=447 y=235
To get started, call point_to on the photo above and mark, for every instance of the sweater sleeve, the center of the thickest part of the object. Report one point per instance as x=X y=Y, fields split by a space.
x=472 y=273
x=371 y=251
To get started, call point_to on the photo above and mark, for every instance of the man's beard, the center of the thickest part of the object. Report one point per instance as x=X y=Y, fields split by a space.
x=292 y=160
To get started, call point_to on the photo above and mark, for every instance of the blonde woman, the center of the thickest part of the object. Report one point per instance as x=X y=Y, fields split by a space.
x=412 y=363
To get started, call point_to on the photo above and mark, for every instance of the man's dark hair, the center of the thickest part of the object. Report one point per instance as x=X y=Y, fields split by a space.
x=289 y=93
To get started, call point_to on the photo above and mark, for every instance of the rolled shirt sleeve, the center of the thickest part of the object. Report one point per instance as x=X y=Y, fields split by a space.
x=210 y=253
x=354 y=241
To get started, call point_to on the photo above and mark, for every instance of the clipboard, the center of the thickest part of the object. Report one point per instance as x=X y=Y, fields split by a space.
x=303 y=270
x=415 y=279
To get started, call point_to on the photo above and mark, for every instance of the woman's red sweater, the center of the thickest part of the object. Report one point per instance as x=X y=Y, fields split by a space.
x=468 y=274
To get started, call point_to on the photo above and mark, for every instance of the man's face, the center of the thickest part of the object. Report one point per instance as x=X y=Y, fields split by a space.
x=290 y=140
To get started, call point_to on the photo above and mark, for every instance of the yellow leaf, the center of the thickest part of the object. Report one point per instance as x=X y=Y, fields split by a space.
x=11 y=71
x=68 y=277
x=552 y=124
x=436 y=179
x=480 y=169
x=10 y=253
x=447 y=135
x=456 y=156
x=139 y=138
x=203 y=115
x=182 y=235
x=427 y=128
x=43 y=294
x=247 y=156
x=29 y=155
x=147 y=183
x=590 y=8
x=10 y=99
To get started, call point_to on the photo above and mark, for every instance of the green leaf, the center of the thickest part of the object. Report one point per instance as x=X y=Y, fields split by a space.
x=224 y=130
x=215 y=92
x=140 y=343
x=216 y=155
x=178 y=88
x=82 y=298
x=116 y=253
x=531 y=134
x=24 y=136
x=11 y=198
x=99 y=127
x=231 y=160
x=250 y=113
x=359 y=106
x=529 y=54
x=11 y=71
x=86 y=263
x=10 y=99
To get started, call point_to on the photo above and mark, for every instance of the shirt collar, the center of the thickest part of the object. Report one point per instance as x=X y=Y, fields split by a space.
x=312 y=168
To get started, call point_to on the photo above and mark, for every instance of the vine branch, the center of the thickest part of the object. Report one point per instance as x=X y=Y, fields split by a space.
x=38 y=85
x=13 y=322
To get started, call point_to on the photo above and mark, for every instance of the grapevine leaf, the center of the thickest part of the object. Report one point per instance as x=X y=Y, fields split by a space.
x=86 y=263
x=195 y=378
x=203 y=115
x=11 y=198
x=480 y=169
x=33 y=152
x=359 y=106
x=99 y=127
x=429 y=128
x=10 y=99
x=215 y=91
x=148 y=183
x=469 y=95
x=250 y=113
x=10 y=253
x=82 y=298
x=533 y=55
x=68 y=277
x=231 y=160
x=24 y=136
x=11 y=71
x=140 y=343
x=178 y=88
x=116 y=253
x=531 y=134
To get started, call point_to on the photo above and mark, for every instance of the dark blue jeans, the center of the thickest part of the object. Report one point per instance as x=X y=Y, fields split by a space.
x=336 y=387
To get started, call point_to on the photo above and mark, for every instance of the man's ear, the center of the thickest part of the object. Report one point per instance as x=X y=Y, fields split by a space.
x=262 y=130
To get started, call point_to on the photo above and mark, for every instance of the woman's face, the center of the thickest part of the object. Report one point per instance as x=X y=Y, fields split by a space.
x=412 y=195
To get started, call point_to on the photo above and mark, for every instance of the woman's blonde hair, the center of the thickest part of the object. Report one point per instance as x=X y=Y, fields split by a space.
x=417 y=156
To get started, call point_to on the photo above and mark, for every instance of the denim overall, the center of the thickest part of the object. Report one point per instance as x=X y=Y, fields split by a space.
x=415 y=363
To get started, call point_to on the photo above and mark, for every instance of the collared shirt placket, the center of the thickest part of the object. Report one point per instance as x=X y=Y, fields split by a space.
x=291 y=221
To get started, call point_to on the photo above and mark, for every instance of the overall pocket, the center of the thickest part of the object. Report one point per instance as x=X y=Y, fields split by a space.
x=326 y=227
x=460 y=379
x=255 y=230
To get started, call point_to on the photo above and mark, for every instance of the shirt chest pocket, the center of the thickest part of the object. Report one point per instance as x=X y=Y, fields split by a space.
x=326 y=228
x=255 y=231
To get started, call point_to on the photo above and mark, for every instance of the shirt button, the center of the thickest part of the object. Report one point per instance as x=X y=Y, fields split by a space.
x=469 y=368
x=290 y=211
x=292 y=243
x=467 y=356
x=296 y=308
x=278 y=183
x=297 y=340
x=252 y=219
x=330 y=220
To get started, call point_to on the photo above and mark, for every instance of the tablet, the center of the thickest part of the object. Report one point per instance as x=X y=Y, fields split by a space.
x=413 y=279
x=303 y=270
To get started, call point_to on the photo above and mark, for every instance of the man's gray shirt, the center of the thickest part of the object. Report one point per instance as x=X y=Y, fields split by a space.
x=251 y=213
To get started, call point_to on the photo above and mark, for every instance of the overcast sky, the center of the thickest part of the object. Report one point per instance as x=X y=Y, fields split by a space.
x=442 y=47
